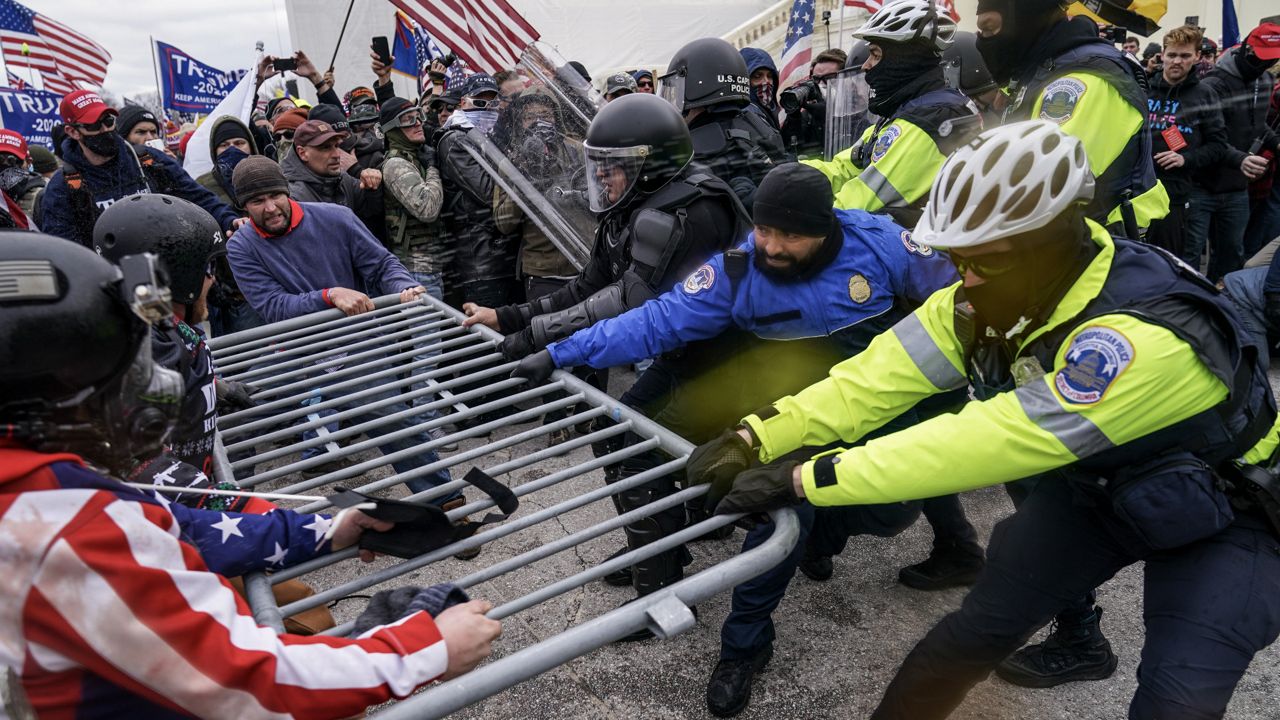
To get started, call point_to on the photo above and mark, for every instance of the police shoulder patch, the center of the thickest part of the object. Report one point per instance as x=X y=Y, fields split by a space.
x=701 y=279
x=883 y=141
x=1060 y=99
x=914 y=247
x=1096 y=357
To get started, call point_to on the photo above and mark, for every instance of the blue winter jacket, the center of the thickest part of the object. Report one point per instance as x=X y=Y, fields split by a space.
x=121 y=177
x=756 y=59
x=877 y=269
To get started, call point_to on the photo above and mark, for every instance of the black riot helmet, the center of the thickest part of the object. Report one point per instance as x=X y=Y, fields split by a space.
x=964 y=69
x=182 y=234
x=858 y=55
x=76 y=373
x=635 y=145
x=708 y=71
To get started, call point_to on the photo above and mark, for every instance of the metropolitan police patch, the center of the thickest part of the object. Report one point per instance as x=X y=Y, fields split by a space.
x=701 y=279
x=1060 y=99
x=914 y=247
x=1096 y=357
x=883 y=141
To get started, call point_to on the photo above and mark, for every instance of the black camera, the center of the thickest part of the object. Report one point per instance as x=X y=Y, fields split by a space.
x=449 y=60
x=798 y=96
x=1113 y=34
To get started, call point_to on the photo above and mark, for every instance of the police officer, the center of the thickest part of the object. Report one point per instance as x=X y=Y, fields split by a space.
x=921 y=121
x=1058 y=69
x=1103 y=367
x=186 y=239
x=964 y=69
x=707 y=83
x=661 y=217
x=809 y=288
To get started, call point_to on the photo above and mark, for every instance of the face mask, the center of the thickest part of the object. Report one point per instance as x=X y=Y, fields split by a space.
x=902 y=65
x=482 y=120
x=764 y=94
x=1001 y=53
x=1251 y=66
x=227 y=162
x=103 y=144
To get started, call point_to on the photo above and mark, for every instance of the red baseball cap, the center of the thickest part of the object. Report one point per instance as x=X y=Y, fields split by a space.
x=1265 y=41
x=14 y=144
x=83 y=107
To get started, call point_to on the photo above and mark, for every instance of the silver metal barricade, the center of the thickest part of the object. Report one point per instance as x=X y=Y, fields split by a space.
x=386 y=375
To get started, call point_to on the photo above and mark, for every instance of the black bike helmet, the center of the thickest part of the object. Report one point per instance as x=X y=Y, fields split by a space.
x=182 y=234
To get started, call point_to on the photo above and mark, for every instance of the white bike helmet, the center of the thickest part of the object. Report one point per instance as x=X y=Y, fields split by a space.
x=1007 y=181
x=909 y=20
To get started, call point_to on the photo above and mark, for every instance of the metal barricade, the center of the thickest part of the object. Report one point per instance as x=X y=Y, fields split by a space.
x=386 y=375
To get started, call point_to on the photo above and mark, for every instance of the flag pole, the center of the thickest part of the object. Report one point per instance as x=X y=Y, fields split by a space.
x=155 y=68
x=341 y=32
x=840 y=37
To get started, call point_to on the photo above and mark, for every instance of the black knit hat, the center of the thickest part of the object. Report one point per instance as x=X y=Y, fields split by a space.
x=392 y=109
x=795 y=198
x=228 y=130
x=257 y=175
x=132 y=115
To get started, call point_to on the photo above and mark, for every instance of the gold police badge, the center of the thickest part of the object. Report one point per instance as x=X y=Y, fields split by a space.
x=859 y=289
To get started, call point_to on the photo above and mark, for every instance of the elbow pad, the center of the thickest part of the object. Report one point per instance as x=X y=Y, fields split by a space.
x=628 y=292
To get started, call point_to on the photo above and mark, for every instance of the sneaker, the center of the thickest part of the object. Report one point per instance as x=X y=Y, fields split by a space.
x=474 y=552
x=948 y=565
x=437 y=433
x=817 y=568
x=1070 y=653
x=729 y=689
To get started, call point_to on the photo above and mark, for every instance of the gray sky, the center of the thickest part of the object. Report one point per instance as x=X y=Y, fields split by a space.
x=218 y=32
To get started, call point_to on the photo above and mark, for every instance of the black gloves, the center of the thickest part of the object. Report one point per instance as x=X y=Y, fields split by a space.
x=760 y=490
x=536 y=368
x=1271 y=311
x=427 y=154
x=233 y=396
x=517 y=345
x=718 y=462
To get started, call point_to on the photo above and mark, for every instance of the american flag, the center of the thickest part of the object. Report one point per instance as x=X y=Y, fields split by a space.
x=488 y=34
x=871 y=6
x=61 y=55
x=797 y=50
x=16 y=82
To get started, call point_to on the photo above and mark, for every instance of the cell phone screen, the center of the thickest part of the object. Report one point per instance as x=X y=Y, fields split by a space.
x=383 y=49
x=283 y=64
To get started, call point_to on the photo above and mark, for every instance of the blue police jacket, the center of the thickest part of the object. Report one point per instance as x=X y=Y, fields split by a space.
x=877 y=268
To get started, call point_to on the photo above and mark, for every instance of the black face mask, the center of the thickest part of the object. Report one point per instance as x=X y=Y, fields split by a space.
x=1001 y=53
x=104 y=144
x=227 y=161
x=902 y=65
x=1037 y=276
x=1251 y=66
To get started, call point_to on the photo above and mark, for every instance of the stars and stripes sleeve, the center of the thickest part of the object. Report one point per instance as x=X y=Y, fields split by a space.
x=233 y=544
x=119 y=594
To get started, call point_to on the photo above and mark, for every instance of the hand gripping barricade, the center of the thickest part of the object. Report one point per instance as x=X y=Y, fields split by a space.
x=354 y=366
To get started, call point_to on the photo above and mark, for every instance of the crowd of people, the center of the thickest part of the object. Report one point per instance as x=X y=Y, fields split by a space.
x=942 y=261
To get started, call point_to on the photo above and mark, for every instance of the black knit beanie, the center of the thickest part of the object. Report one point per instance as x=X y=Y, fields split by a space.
x=795 y=198
x=132 y=115
x=228 y=130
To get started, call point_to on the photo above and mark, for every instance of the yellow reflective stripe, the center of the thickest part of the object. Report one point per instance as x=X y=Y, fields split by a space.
x=925 y=353
x=901 y=176
x=1076 y=432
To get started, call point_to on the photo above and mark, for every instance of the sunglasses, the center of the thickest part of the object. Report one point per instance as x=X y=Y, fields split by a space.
x=986 y=266
x=106 y=122
x=482 y=104
x=644 y=83
x=283 y=135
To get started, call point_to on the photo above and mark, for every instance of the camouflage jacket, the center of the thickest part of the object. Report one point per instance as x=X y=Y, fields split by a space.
x=413 y=199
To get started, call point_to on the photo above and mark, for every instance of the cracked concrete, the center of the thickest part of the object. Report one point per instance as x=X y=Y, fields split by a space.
x=838 y=642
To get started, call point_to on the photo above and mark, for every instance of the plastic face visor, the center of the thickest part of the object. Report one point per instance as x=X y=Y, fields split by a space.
x=671 y=89
x=612 y=173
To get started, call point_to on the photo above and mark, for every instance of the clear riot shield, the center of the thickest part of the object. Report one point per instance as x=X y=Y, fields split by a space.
x=847 y=114
x=534 y=153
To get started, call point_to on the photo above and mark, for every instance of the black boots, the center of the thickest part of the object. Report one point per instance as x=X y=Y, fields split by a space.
x=1073 y=651
x=729 y=689
x=950 y=564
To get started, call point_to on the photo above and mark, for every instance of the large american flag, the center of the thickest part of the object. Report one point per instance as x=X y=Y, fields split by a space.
x=871 y=6
x=61 y=55
x=797 y=49
x=488 y=34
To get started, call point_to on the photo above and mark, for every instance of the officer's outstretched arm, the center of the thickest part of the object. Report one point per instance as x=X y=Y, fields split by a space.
x=918 y=357
x=696 y=309
x=905 y=161
x=1117 y=380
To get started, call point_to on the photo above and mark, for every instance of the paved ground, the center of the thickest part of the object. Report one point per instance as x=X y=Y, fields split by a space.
x=838 y=644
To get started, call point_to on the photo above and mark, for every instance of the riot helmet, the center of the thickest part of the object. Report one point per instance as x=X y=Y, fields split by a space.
x=707 y=71
x=182 y=234
x=76 y=373
x=964 y=69
x=635 y=145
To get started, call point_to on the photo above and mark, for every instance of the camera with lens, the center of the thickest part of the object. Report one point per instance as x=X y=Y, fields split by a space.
x=448 y=60
x=1113 y=34
x=801 y=95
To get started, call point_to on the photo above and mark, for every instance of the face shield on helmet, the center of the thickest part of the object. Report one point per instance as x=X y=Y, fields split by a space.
x=848 y=98
x=142 y=408
x=612 y=174
x=671 y=89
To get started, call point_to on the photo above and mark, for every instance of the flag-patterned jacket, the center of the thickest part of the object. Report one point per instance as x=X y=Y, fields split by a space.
x=110 y=607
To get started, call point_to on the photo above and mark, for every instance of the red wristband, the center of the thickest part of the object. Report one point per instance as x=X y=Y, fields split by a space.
x=324 y=295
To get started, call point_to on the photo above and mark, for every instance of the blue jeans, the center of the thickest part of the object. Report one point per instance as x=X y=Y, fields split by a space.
x=1218 y=220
